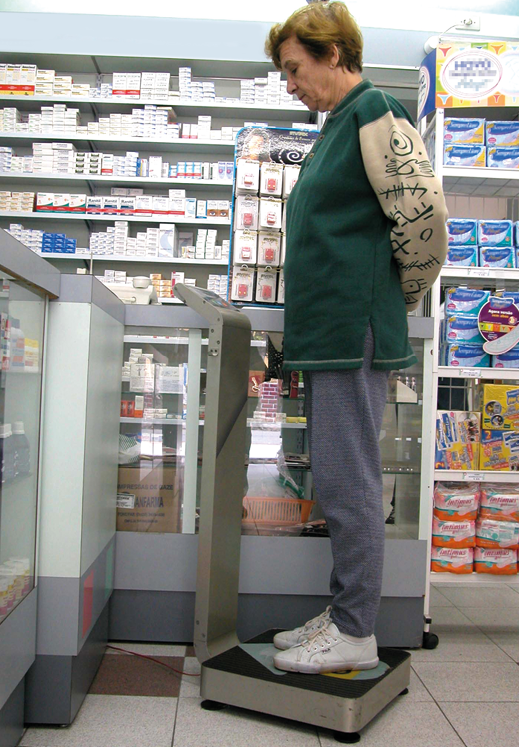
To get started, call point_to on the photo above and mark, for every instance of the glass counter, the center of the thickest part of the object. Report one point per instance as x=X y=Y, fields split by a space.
x=161 y=441
x=22 y=315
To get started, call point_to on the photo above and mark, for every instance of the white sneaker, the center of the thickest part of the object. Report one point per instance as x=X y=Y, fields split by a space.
x=329 y=650
x=289 y=638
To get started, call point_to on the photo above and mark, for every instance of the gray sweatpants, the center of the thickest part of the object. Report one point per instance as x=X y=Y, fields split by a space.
x=344 y=410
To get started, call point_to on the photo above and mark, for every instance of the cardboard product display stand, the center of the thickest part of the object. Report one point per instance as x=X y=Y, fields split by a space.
x=266 y=166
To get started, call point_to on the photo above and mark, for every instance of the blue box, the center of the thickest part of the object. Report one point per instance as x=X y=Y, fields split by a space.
x=462 y=328
x=507 y=360
x=462 y=232
x=467 y=301
x=462 y=256
x=465 y=156
x=502 y=134
x=503 y=158
x=463 y=355
x=466 y=131
x=495 y=233
x=497 y=256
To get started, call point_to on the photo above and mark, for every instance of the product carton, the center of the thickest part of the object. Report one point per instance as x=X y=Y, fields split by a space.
x=149 y=499
x=457 y=440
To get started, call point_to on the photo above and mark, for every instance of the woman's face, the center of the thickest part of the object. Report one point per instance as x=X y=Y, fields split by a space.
x=255 y=145
x=311 y=80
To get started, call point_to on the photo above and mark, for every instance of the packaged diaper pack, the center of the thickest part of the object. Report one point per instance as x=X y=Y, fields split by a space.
x=464 y=130
x=507 y=360
x=503 y=158
x=456 y=534
x=495 y=534
x=462 y=232
x=497 y=256
x=499 y=562
x=454 y=501
x=466 y=301
x=495 y=233
x=462 y=256
x=452 y=560
x=462 y=328
x=465 y=156
x=499 y=502
x=457 y=439
x=464 y=355
x=502 y=133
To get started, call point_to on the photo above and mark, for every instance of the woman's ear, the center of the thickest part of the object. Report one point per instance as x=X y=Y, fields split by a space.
x=334 y=57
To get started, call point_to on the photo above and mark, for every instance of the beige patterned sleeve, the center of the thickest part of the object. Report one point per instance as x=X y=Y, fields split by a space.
x=411 y=196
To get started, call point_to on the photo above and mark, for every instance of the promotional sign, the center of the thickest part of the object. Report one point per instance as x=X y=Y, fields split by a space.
x=470 y=73
x=498 y=323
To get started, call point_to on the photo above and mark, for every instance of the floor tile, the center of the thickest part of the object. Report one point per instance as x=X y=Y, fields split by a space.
x=438 y=599
x=150 y=649
x=483 y=724
x=234 y=727
x=112 y=721
x=507 y=642
x=418 y=693
x=190 y=651
x=449 y=618
x=190 y=686
x=468 y=682
x=464 y=643
x=481 y=596
x=504 y=618
x=132 y=675
x=405 y=724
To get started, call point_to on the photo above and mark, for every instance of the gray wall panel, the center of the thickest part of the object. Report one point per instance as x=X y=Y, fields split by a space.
x=87 y=289
x=167 y=562
x=17 y=645
x=169 y=616
x=47 y=692
x=102 y=576
x=11 y=718
x=58 y=614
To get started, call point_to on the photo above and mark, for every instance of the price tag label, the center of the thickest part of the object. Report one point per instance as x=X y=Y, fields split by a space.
x=479 y=272
x=470 y=373
x=473 y=477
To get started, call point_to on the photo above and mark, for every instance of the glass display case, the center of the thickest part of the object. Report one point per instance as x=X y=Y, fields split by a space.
x=161 y=441
x=22 y=315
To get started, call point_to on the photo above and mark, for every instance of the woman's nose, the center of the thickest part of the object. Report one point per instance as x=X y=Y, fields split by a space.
x=291 y=86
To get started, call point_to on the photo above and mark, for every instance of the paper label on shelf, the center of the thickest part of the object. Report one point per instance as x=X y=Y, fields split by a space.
x=170 y=379
x=470 y=373
x=479 y=272
x=125 y=500
x=473 y=477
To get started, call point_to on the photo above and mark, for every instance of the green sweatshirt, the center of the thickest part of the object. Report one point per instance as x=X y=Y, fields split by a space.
x=366 y=237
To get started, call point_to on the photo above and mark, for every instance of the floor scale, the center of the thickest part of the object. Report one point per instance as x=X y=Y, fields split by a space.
x=242 y=674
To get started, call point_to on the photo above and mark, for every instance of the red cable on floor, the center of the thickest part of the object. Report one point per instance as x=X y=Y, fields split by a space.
x=151 y=658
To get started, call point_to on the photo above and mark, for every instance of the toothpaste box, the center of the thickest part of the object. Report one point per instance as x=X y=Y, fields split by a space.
x=502 y=133
x=497 y=256
x=495 y=233
x=465 y=301
x=457 y=439
x=503 y=158
x=462 y=232
x=466 y=131
x=462 y=328
x=507 y=360
x=464 y=355
x=462 y=256
x=499 y=450
x=464 y=155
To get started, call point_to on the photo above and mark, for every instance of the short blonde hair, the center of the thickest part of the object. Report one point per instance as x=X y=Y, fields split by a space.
x=318 y=27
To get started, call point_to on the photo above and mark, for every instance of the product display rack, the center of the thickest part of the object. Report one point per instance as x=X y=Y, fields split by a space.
x=467 y=182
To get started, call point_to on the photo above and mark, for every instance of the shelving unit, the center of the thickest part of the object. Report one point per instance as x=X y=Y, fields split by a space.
x=200 y=222
x=468 y=182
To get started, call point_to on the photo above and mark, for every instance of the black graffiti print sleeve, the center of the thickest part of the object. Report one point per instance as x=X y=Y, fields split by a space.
x=411 y=196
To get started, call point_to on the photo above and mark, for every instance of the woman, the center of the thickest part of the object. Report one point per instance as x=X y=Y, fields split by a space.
x=366 y=239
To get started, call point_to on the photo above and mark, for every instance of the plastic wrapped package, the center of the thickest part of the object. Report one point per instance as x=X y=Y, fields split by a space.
x=497 y=562
x=452 y=560
x=493 y=534
x=454 y=501
x=499 y=502
x=456 y=534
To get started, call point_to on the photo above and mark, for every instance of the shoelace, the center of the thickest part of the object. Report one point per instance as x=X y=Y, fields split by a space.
x=322 y=618
x=321 y=639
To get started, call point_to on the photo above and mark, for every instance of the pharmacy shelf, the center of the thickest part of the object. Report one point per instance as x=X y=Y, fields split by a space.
x=58 y=255
x=478 y=373
x=479 y=273
x=187 y=108
x=265 y=425
x=156 y=421
x=453 y=475
x=152 y=260
x=481 y=182
x=113 y=179
x=105 y=141
x=477 y=579
x=110 y=218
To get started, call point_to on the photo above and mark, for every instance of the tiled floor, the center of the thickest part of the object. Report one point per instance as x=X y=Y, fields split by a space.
x=466 y=692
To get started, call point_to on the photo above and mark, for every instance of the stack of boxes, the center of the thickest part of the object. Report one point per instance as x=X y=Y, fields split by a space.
x=126 y=85
x=155 y=86
x=218 y=284
x=17 y=202
x=191 y=90
x=482 y=243
x=63 y=85
x=53 y=158
x=43 y=242
x=475 y=529
x=17 y=80
x=269 y=91
x=6 y=157
x=45 y=82
x=10 y=117
x=476 y=142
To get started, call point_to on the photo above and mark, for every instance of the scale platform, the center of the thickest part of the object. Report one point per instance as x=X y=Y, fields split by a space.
x=343 y=702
